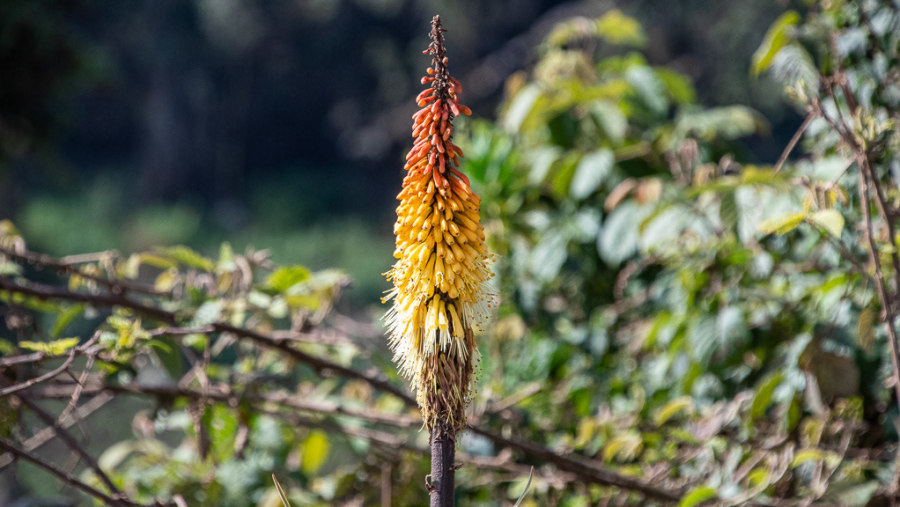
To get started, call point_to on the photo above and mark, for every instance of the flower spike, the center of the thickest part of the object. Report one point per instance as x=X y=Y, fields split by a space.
x=441 y=294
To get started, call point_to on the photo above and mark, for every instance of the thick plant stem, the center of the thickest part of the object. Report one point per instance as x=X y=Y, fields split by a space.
x=443 y=473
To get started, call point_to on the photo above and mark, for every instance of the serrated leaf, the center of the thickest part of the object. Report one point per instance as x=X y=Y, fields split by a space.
x=783 y=224
x=829 y=219
x=776 y=38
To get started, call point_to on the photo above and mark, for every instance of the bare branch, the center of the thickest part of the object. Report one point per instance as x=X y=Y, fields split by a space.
x=45 y=435
x=67 y=477
x=71 y=443
x=794 y=140
x=585 y=471
x=36 y=380
x=115 y=285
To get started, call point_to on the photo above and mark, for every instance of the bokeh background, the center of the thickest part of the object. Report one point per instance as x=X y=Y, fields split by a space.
x=282 y=123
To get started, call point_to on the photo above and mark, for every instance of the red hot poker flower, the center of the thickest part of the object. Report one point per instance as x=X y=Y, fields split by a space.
x=441 y=296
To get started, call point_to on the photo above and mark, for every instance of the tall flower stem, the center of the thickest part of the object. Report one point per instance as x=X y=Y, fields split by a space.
x=443 y=471
x=441 y=296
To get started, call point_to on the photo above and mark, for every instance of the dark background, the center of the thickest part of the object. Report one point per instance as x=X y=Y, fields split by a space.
x=283 y=123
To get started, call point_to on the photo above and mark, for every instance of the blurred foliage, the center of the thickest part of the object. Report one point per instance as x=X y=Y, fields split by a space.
x=668 y=310
x=687 y=314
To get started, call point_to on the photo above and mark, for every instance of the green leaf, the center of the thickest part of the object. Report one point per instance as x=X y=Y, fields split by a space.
x=206 y=314
x=731 y=122
x=804 y=455
x=611 y=120
x=617 y=28
x=670 y=409
x=188 y=257
x=794 y=67
x=678 y=86
x=857 y=495
x=521 y=107
x=626 y=446
x=286 y=277
x=776 y=38
x=53 y=348
x=619 y=238
x=649 y=88
x=697 y=496
x=590 y=173
x=315 y=451
x=65 y=318
x=783 y=224
x=829 y=219
x=866 y=328
x=763 y=396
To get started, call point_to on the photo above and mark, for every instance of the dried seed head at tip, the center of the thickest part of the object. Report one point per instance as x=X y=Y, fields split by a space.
x=441 y=296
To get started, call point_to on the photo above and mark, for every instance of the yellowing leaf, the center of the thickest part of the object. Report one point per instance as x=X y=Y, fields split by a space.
x=783 y=224
x=763 y=397
x=617 y=28
x=315 y=451
x=682 y=404
x=829 y=219
x=165 y=281
x=865 y=328
x=625 y=446
x=775 y=39
x=697 y=496
x=804 y=455
x=188 y=257
x=54 y=348
x=286 y=277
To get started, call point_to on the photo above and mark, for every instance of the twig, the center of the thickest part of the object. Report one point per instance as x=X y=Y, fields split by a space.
x=321 y=365
x=45 y=292
x=793 y=142
x=222 y=393
x=115 y=285
x=65 y=477
x=36 y=380
x=582 y=468
x=71 y=443
x=585 y=471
